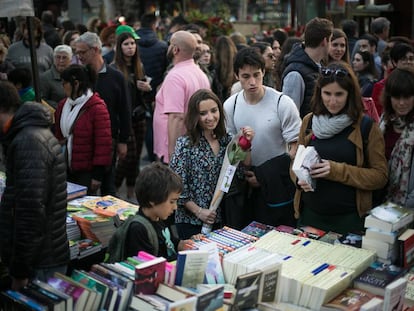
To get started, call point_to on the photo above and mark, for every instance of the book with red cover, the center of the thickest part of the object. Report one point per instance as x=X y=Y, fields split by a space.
x=148 y=275
x=406 y=248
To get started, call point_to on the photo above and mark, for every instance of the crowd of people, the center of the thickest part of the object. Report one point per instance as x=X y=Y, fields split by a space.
x=108 y=92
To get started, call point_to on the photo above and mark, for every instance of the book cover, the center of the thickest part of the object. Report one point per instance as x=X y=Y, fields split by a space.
x=269 y=283
x=210 y=297
x=114 y=291
x=52 y=301
x=190 y=267
x=304 y=159
x=394 y=295
x=351 y=299
x=214 y=271
x=124 y=283
x=110 y=206
x=68 y=299
x=285 y=228
x=102 y=290
x=169 y=266
x=91 y=296
x=78 y=293
x=388 y=237
x=148 y=275
x=388 y=217
x=309 y=232
x=247 y=290
x=376 y=277
x=406 y=248
x=257 y=229
x=75 y=191
x=14 y=300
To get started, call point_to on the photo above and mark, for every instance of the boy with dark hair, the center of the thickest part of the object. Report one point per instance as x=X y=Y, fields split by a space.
x=157 y=190
x=22 y=80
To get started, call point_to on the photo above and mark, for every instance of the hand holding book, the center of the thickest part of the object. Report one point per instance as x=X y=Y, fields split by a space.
x=307 y=166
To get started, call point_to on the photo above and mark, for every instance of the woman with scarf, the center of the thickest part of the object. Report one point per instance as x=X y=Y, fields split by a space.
x=348 y=171
x=83 y=128
x=398 y=126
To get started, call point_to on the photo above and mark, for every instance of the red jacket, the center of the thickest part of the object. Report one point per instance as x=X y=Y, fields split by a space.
x=92 y=138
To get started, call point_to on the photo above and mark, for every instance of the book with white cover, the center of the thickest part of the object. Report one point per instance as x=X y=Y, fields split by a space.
x=304 y=159
x=375 y=304
x=395 y=294
x=388 y=237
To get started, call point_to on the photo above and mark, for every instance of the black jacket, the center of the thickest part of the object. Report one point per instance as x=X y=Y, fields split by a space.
x=33 y=206
x=299 y=61
x=153 y=53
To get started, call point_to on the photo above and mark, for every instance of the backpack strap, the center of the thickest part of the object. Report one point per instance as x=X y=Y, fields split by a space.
x=152 y=235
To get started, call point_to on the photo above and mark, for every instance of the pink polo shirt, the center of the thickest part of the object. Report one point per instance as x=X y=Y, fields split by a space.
x=182 y=81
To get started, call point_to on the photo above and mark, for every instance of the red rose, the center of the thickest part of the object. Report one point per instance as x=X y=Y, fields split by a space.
x=244 y=143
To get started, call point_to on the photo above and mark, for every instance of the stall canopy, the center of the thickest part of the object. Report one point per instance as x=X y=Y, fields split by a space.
x=11 y=8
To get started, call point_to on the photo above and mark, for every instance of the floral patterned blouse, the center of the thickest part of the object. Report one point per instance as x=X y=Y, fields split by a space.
x=199 y=169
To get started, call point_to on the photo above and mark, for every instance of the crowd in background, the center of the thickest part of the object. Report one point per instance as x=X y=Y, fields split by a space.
x=114 y=88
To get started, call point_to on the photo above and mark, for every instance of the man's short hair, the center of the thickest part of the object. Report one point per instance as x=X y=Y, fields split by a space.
x=350 y=27
x=148 y=20
x=248 y=56
x=370 y=38
x=316 y=30
x=379 y=24
x=399 y=51
x=91 y=39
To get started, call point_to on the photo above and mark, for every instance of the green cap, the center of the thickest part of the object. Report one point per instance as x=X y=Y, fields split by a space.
x=125 y=28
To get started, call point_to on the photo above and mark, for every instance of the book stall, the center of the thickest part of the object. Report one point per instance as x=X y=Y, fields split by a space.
x=260 y=267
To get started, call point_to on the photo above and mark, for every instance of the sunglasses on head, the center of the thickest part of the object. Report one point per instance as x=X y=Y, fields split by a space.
x=337 y=73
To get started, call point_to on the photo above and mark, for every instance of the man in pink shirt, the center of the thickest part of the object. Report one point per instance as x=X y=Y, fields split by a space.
x=171 y=101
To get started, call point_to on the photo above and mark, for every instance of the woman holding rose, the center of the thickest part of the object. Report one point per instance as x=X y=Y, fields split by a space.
x=198 y=158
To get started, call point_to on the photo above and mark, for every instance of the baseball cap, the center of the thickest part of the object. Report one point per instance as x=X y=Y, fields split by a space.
x=125 y=28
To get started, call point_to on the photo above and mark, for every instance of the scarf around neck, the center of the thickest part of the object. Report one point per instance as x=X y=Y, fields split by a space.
x=70 y=112
x=400 y=166
x=324 y=126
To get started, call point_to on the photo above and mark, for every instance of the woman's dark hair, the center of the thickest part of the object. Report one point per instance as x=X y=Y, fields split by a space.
x=285 y=49
x=399 y=84
x=368 y=58
x=193 y=116
x=85 y=75
x=341 y=73
x=22 y=76
x=67 y=37
x=155 y=183
x=120 y=62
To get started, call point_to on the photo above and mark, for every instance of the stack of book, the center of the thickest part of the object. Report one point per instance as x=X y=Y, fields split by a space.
x=75 y=191
x=383 y=226
x=110 y=206
x=95 y=227
x=227 y=240
x=310 y=268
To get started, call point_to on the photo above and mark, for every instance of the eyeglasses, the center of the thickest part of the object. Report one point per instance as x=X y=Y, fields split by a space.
x=337 y=73
x=82 y=52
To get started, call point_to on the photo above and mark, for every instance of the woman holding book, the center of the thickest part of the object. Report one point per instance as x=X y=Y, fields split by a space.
x=398 y=127
x=83 y=128
x=198 y=158
x=348 y=171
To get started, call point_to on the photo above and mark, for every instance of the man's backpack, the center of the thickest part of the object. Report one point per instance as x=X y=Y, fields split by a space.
x=116 y=247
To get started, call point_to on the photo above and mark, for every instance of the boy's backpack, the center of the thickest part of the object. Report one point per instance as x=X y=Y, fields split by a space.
x=116 y=247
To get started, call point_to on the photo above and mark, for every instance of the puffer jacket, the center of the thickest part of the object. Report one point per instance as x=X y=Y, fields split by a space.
x=92 y=140
x=33 y=206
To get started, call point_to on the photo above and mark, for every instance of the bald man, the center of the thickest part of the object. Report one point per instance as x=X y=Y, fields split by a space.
x=171 y=101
